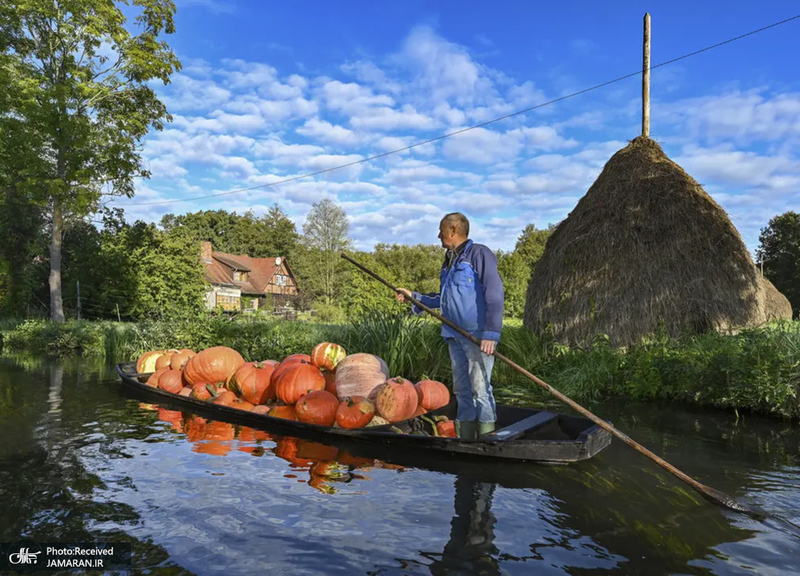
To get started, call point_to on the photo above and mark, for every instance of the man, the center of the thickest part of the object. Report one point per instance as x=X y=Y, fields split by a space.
x=471 y=296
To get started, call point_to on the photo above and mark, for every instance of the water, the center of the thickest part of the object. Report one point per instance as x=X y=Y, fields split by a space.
x=84 y=460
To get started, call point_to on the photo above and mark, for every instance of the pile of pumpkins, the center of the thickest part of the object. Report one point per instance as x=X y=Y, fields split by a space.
x=327 y=387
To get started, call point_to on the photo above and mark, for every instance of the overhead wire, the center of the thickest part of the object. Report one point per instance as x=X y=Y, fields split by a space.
x=463 y=130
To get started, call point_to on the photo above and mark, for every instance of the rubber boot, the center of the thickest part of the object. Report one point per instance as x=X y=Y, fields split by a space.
x=466 y=430
x=485 y=428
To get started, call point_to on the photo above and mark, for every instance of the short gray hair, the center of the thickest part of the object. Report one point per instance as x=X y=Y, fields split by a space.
x=458 y=220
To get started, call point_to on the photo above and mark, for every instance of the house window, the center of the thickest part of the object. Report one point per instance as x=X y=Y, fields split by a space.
x=240 y=276
x=280 y=280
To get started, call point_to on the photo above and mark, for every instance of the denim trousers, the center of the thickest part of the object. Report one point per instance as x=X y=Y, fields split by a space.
x=472 y=374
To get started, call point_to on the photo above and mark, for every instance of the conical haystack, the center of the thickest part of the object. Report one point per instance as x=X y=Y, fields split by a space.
x=776 y=305
x=645 y=245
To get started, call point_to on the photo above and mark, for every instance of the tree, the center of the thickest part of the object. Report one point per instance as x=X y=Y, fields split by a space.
x=325 y=235
x=531 y=243
x=88 y=110
x=515 y=272
x=779 y=251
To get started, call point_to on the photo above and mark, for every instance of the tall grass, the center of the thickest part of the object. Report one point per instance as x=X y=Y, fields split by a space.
x=757 y=369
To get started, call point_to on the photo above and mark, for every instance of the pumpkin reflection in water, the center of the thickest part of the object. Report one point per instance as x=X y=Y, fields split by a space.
x=326 y=465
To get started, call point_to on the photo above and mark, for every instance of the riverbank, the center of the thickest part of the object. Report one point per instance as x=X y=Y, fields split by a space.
x=756 y=370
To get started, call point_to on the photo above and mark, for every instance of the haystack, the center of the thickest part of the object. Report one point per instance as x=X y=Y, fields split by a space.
x=776 y=305
x=646 y=246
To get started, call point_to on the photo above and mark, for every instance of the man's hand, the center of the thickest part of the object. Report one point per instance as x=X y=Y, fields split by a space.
x=402 y=294
x=487 y=346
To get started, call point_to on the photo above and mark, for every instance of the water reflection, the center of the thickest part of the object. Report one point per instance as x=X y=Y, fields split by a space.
x=471 y=548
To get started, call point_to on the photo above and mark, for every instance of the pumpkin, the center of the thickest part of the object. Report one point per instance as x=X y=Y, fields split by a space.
x=240 y=404
x=355 y=412
x=164 y=360
x=155 y=376
x=297 y=380
x=171 y=381
x=432 y=394
x=202 y=391
x=446 y=428
x=317 y=407
x=187 y=351
x=419 y=412
x=270 y=362
x=147 y=361
x=327 y=355
x=177 y=361
x=286 y=412
x=213 y=365
x=396 y=399
x=261 y=409
x=287 y=362
x=359 y=374
x=186 y=391
x=224 y=397
x=252 y=381
x=330 y=382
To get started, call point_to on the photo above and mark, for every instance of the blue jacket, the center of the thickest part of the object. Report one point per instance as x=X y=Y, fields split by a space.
x=471 y=294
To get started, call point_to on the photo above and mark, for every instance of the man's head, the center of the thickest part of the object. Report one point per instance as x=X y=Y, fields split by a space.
x=453 y=230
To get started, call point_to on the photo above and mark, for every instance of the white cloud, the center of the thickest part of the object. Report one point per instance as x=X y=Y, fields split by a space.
x=327 y=133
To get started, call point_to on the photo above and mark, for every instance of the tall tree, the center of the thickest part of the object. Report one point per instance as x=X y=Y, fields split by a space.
x=779 y=251
x=325 y=233
x=90 y=78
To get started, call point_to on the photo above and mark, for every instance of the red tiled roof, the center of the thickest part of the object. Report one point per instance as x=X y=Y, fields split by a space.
x=259 y=271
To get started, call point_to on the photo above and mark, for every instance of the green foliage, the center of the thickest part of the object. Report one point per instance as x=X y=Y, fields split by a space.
x=515 y=273
x=267 y=237
x=325 y=237
x=79 y=113
x=779 y=250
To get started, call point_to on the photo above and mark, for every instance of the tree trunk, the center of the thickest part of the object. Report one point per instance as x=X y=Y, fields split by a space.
x=56 y=300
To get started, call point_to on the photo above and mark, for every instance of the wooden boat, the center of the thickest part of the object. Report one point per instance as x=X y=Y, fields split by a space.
x=522 y=434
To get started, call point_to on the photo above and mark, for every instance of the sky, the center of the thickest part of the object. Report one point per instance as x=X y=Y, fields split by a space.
x=274 y=90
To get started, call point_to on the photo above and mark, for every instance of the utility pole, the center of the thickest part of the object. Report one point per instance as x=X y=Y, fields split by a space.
x=646 y=78
x=78 y=286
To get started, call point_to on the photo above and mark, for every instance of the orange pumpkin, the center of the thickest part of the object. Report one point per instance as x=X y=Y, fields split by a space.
x=359 y=374
x=419 y=412
x=155 y=376
x=187 y=351
x=213 y=365
x=318 y=407
x=327 y=355
x=355 y=412
x=252 y=382
x=261 y=409
x=241 y=404
x=178 y=361
x=330 y=382
x=163 y=361
x=225 y=398
x=146 y=363
x=446 y=428
x=203 y=391
x=396 y=399
x=432 y=394
x=171 y=381
x=297 y=380
x=287 y=362
x=287 y=412
x=186 y=391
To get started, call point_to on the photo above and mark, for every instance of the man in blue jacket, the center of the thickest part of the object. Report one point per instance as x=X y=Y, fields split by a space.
x=471 y=296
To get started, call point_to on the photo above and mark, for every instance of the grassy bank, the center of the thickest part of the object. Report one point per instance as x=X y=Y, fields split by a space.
x=757 y=370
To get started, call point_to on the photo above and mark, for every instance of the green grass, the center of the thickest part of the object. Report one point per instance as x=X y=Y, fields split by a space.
x=756 y=370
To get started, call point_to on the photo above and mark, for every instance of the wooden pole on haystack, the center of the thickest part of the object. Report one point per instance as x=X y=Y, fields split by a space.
x=646 y=78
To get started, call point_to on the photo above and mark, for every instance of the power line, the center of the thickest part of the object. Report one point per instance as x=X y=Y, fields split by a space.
x=462 y=130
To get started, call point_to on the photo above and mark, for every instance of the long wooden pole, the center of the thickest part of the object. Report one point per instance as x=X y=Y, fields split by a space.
x=709 y=493
x=646 y=78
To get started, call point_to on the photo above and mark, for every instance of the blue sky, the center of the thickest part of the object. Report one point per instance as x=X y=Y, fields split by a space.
x=272 y=90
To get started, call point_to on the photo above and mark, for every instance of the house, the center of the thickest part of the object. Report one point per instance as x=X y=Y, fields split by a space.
x=240 y=282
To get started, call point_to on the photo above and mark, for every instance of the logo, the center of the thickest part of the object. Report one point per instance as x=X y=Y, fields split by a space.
x=24 y=556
